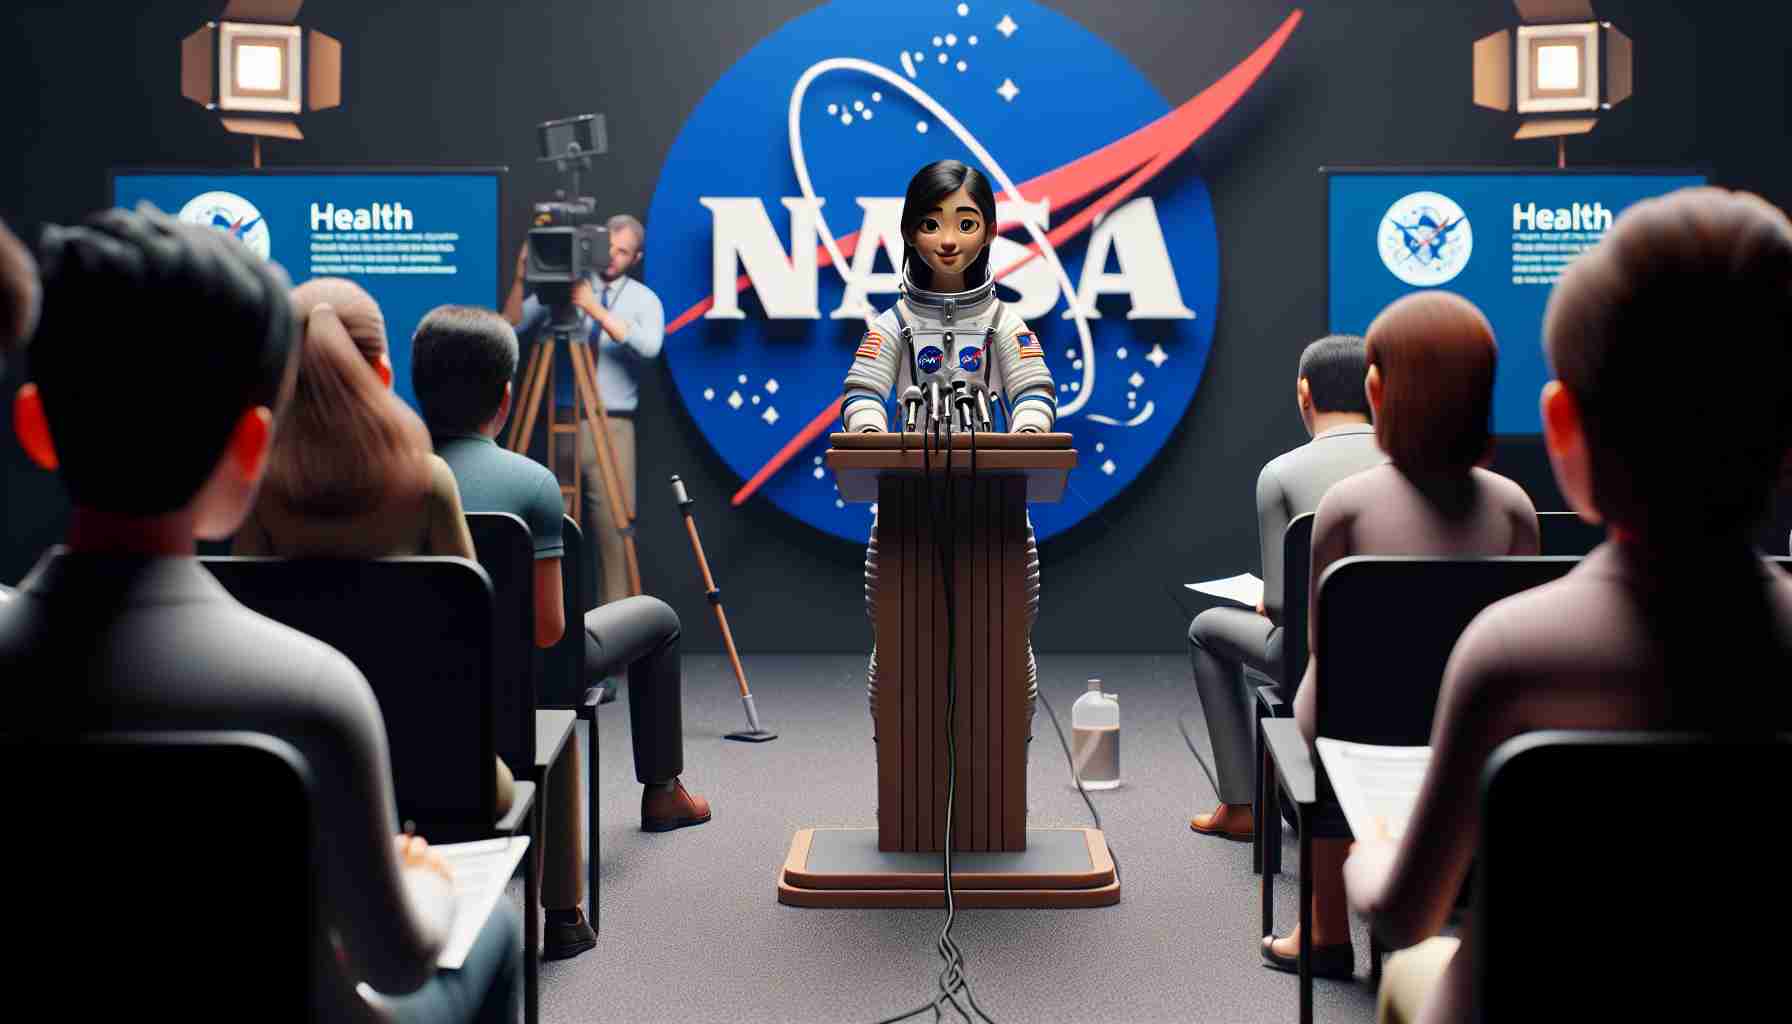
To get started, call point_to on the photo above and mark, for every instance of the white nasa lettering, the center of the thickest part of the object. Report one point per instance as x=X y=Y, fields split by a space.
x=743 y=235
x=378 y=217
x=881 y=228
x=1131 y=230
x=1035 y=282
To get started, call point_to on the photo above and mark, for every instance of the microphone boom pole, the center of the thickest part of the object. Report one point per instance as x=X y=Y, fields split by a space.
x=754 y=732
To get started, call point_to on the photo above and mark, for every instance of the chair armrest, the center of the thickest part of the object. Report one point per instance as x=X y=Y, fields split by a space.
x=1292 y=757
x=1271 y=704
x=553 y=727
x=518 y=818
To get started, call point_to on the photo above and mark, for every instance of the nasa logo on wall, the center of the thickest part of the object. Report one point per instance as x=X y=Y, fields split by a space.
x=231 y=214
x=776 y=230
x=1425 y=239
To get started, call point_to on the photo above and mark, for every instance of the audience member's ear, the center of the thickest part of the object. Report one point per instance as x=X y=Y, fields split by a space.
x=384 y=368
x=504 y=404
x=1372 y=390
x=1566 y=441
x=250 y=443
x=1303 y=395
x=32 y=427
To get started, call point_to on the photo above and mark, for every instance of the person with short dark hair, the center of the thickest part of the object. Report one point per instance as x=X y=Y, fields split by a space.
x=462 y=362
x=19 y=295
x=123 y=630
x=1328 y=392
x=1651 y=630
x=1431 y=360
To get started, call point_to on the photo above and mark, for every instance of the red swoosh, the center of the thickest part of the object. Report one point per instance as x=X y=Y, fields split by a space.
x=1143 y=153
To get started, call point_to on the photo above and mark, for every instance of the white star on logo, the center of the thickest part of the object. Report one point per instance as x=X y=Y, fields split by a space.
x=1006 y=26
x=771 y=387
x=1108 y=467
x=1135 y=380
x=1008 y=90
x=1157 y=356
x=771 y=415
x=734 y=400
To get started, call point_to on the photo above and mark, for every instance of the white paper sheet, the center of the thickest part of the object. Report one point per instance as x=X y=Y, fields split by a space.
x=1244 y=588
x=1376 y=786
x=482 y=869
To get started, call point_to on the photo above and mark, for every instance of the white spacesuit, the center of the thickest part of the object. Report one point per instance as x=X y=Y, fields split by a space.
x=967 y=335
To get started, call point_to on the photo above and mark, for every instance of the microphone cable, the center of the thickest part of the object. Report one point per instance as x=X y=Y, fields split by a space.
x=954 y=977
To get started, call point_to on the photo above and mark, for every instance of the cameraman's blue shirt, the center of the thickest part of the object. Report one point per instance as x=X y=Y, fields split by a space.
x=618 y=362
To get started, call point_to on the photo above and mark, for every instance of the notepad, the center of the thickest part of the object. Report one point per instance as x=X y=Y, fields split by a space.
x=1377 y=786
x=482 y=870
x=1243 y=588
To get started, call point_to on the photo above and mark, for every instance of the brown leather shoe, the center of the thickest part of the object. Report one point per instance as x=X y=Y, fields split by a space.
x=1207 y=825
x=663 y=811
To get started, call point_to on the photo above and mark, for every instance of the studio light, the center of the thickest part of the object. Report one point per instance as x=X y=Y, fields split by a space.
x=1559 y=69
x=260 y=71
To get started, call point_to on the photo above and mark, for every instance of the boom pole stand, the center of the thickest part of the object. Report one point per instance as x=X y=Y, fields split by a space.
x=753 y=733
x=538 y=379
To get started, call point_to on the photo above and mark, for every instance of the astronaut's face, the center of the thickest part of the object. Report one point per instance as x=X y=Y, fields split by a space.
x=950 y=237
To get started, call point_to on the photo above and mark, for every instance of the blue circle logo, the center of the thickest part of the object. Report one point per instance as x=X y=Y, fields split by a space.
x=776 y=231
x=231 y=214
x=1425 y=239
x=971 y=359
x=930 y=359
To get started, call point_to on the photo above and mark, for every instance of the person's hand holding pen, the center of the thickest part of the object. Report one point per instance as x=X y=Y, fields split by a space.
x=414 y=852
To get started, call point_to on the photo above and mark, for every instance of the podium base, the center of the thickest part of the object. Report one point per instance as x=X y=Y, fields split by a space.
x=842 y=867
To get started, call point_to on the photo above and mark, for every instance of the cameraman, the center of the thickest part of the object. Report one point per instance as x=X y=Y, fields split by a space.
x=626 y=324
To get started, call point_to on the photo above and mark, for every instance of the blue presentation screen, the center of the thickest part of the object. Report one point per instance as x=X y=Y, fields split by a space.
x=1498 y=238
x=414 y=239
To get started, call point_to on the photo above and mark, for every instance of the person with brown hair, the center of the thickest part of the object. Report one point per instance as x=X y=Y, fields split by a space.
x=1431 y=359
x=19 y=294
x=1644 y=631
x=351 y=473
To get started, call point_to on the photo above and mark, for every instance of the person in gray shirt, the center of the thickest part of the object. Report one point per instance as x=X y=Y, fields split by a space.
x=1221 y=641
x=123 y=630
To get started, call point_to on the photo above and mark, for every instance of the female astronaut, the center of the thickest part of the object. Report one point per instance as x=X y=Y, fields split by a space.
x=949 y=326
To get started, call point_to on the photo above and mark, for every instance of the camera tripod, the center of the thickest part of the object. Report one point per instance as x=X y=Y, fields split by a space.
x=538 y=378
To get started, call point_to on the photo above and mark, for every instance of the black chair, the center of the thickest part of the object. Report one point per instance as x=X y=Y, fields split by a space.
x=1564 y=533
x=422 y=632
x=561 y=682
x=1668 y=909
x=1297 y=567
x=506 y=550
x=182 y=831
x=1386 y=628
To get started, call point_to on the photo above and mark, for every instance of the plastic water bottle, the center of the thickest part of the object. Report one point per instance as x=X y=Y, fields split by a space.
x=1095 y=737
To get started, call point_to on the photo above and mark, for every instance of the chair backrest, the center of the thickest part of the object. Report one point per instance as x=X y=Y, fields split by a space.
x=1615 y=877
x=181 y=838
x=1297 y=571
x=506 y=551
x=560 y=669
x=1564 y=533
x=420 y=629
x=1386 y=628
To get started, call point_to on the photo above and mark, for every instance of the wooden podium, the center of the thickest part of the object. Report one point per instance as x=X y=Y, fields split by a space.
x=997 y=860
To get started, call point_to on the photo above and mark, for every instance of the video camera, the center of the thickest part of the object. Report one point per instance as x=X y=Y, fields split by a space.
x=567 y=237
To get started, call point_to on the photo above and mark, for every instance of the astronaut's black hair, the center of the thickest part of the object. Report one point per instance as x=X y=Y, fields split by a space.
x=925 y=190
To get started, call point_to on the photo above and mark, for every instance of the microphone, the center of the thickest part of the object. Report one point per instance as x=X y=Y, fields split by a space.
x=984 y=422
x=935 y=410
x=911 y=408
x=964 y=405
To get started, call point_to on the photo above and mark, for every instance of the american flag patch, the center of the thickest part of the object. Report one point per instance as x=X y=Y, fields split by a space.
x=1029 y=345
x=872 y=344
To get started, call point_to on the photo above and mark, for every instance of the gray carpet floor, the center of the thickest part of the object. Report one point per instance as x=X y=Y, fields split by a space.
x=691 y=930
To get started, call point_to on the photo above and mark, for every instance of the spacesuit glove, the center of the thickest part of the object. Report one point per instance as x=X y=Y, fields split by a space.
x=1031 y=420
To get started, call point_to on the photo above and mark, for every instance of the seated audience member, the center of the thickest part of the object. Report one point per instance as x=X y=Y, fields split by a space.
x=462 y=361
x=19 y=295
x=1430 y=383
x=125 y=630
x=1328 y=391
x=351 y=474
x=1626 y=639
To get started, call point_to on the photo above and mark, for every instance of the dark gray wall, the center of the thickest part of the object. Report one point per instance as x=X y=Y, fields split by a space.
x=1366 y=81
